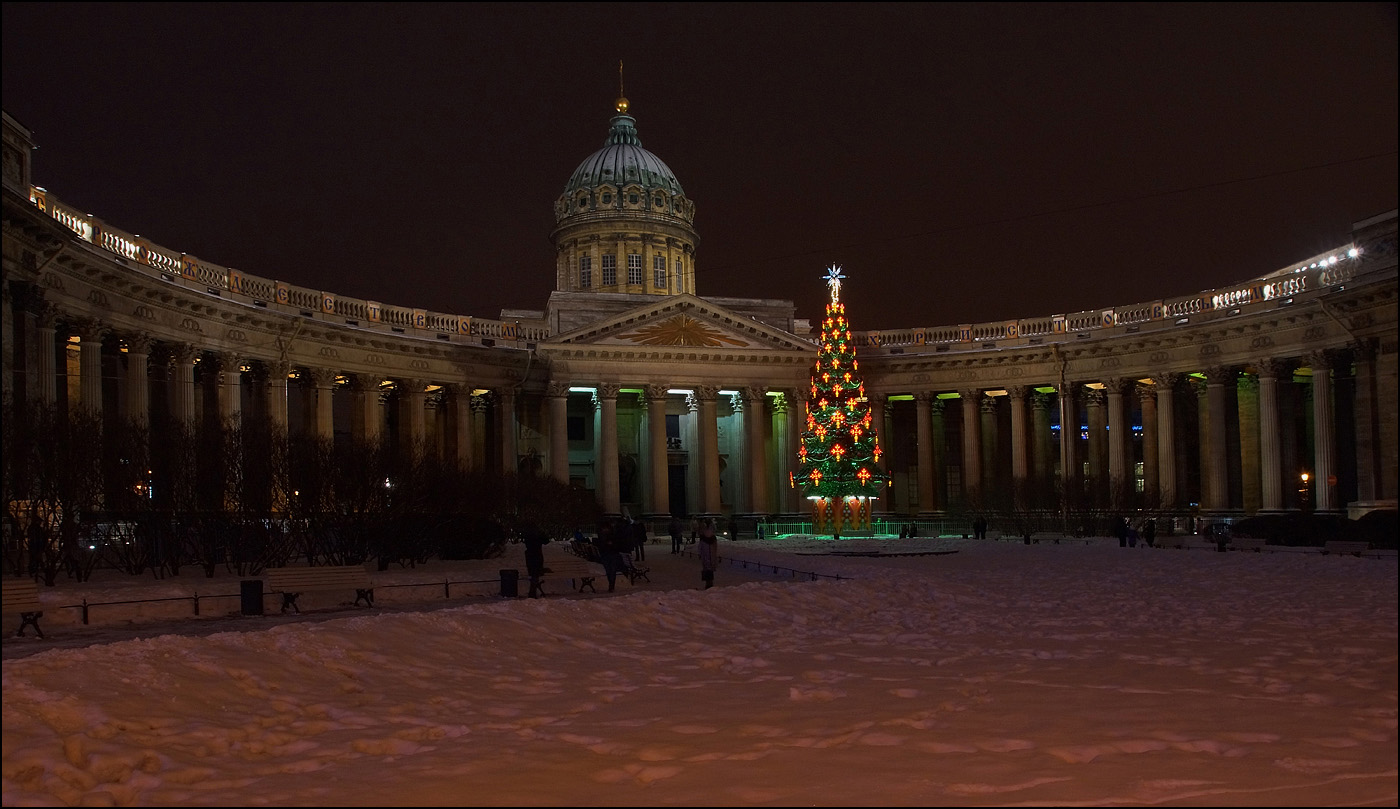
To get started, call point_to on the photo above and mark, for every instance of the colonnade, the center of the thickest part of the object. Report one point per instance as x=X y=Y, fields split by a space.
x=1221 y=440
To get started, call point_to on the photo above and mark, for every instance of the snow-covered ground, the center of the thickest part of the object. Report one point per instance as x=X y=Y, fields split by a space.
x=1001 y=674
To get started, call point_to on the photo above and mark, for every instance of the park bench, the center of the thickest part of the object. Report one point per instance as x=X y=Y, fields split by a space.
x=632 y=570
x=291 y=582
x=1343 y=547
x=1247 y=544
x=21 y=597
x=576 y=569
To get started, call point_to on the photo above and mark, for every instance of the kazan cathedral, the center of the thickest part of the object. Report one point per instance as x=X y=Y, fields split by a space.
x=1273 y=394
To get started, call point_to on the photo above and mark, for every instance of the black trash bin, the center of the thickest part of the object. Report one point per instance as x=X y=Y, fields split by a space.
x=251 y=596
x=510 y=583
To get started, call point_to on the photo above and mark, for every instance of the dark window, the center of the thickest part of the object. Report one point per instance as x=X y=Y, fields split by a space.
x=576 y=428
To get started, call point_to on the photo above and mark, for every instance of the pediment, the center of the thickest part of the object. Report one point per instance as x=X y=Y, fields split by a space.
x=683 y=321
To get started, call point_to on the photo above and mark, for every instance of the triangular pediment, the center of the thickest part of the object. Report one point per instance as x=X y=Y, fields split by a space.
x=683 y=321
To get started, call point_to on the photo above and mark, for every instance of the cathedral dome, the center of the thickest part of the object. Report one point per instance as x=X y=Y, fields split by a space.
x=623 y=176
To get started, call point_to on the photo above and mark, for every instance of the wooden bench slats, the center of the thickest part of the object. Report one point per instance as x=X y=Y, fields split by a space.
x=21 y=596
x=293 y=581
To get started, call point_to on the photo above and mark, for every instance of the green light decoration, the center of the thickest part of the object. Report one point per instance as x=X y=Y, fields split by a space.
x=838 y=464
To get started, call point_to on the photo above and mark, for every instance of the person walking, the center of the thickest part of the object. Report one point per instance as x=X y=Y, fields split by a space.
x=676 y=538
x=709 y=551
x=639 y=540
x=535 y=540
x=609 y=550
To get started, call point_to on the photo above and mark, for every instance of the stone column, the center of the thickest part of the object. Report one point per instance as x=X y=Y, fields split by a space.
x=879 y=508
x=47 y=386
x=412 y=421
x=659 y=475
x=695 y=463
x=480 y=405
x=369 y=424
x=462 y=428
x=510 y=448
x=972 y=447
x=991 y=446
x=922 y=433
x=708 y=430
x=557 y=394
x=138 y=385
x=1044 y=449
x=1368 y=457
x=182 y=389
x=90 y=365
x=1166 y=441
x=1020 y=460
x=1247 y=414
x=230 y=389
x=755 y=414
x=7 y=342
x=1094 y=403
x=1069 y=442
x=1324 y=441
x=611 y=500
x=1118 y=473
x=324 y=381
x=795 y=401
x=277 y=394
x=1217 y=448
x=1147 y=400
x=938 y=438
x=1270 y=440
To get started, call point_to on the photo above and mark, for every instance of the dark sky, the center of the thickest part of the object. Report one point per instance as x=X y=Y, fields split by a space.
x=963 y=163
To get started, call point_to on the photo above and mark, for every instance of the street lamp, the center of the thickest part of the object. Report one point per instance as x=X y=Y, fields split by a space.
x=1303 y=491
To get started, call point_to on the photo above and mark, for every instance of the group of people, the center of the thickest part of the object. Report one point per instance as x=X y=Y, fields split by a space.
x=1128 y=534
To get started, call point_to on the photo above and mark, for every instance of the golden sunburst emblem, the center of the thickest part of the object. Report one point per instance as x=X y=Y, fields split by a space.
x=681 y=330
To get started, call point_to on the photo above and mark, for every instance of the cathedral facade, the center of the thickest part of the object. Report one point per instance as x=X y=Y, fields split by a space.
x=661 y=400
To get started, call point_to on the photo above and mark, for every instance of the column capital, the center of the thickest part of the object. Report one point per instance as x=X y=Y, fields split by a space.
x=1220 y=375
x=753 y=393
x=138 y=342
x=989 y=404
x=1270 y=367
x=1145 y=393
x=707 y=393
x=555 y=390
x=368 y=383
x=609 y=390
x=1114 y=384
x=183 y=353
x=323 y=378
x=481 y=402
x=90 y=329
x=1320 y=360
x=1095 y=397
x=1017 y=391
x=971 y=393
x=1165 y=380
x=654 y=392
x=1040 y=401
x=1364 y=349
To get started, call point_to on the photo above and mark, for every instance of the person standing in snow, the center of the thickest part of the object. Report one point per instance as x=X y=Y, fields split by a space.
x=709 y=551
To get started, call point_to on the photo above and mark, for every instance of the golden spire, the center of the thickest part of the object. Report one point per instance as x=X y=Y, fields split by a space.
x=621 y=104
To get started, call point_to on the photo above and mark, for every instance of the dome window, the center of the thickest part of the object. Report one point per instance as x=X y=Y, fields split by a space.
x=607 y=199
x=632 y=198
x=658 y=202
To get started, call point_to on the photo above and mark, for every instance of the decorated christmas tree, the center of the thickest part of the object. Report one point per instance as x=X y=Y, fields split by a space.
x=838 y=462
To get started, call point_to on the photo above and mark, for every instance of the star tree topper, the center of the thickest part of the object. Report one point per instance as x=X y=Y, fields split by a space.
x=833 y=280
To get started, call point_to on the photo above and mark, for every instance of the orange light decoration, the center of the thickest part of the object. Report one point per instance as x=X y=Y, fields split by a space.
x=821 y=432
x=855 y=365
x=802 y=453
x=851 y=404
x=814 y=390
x=836 y=390
x=847 y=378
x=836 y=364
x=863 y=475
x=826 y=378
x=856 y=431
x=811 y=421
x=837 y=418
x=816 y=477
x=838 y=451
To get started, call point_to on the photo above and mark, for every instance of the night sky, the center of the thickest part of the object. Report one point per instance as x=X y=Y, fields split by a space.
x=962 y=163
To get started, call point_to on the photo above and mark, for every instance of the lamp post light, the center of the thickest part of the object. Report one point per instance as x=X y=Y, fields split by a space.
x=1303 y=499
